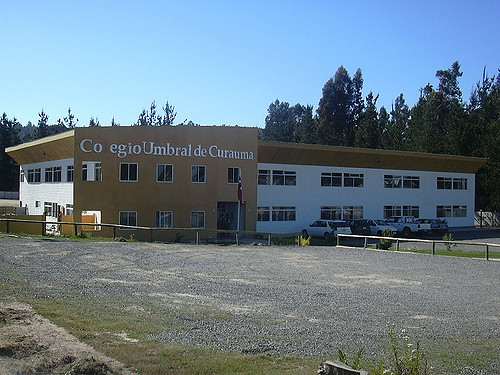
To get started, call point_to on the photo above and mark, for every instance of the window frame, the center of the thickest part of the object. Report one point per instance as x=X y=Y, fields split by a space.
x=264 y=177
x=358 y=179
x=128 y=213
x=284 y=213
x=328 y=179
x=233 y=175
x=160 y=220
x=264 y=213
x=197 y=215
x=331 y=213
x=70 y=173
x=197 y=174
x=165 y=173
x=128 y=179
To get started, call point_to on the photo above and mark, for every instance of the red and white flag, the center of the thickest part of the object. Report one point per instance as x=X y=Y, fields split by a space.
x=240 y=191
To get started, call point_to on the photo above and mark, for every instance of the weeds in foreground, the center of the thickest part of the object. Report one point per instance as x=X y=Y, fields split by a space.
x=405 y=358
x=303 y=241
x=449 y=246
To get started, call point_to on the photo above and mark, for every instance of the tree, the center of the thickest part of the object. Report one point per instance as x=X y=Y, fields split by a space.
x=338 y=108
x=448 y=81
x=150 y=118
x=93 y=122
x=169 y=116
x=306 y=125
x=280 y=124
x=114 y=123
x=9 y=136
x=43 y=125
x=394 y=134
x=368 y=131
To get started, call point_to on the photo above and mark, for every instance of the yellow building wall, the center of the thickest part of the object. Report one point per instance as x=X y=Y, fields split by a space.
x=110 y=196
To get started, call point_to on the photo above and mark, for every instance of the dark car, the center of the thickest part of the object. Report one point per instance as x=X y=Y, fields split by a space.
x=359 y=226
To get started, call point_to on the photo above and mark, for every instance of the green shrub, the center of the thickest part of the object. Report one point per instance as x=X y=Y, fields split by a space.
x=385 y=244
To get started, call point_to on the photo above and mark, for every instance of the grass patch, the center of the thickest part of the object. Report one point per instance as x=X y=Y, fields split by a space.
x=111 y=330
x=456 y=253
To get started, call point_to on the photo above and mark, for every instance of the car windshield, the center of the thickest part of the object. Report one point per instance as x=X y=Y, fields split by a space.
x=380 y=222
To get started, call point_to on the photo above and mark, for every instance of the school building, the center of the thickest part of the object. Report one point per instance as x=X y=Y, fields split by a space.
x=193 y=177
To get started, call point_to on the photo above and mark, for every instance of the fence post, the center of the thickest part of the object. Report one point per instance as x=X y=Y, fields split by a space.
x=397 y=245
x=338 y=240
x=366 y=242
x=43 y=228
x=75 y=229
x=269 y=239
x=433 y=247
x=151 y=234
x=7 y=226
x=237 y=239
x=487 y=252
x=197 y=237
x=114 y=233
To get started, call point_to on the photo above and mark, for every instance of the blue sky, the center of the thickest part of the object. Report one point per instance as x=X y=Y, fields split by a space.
x=224 y=62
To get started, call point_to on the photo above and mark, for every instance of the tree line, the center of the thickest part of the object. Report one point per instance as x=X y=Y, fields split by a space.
x=440 y=122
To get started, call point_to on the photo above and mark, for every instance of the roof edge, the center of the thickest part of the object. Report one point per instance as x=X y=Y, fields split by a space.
x=36 y=142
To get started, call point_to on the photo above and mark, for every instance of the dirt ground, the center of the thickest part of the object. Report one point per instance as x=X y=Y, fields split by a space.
x=31 y=344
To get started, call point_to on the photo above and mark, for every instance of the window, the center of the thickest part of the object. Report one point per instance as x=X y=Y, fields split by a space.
x=411 y=182
x=390 y=211
x=85 y=172
x=451 y=211
x=38 y=204
x=391 y=181
x=128 y=218
x=70 y=171
x=263 y=214
x=406 y=182
x=331 y=213
x=128 y=172
x=233 y=175
x=411 y=211
x=97 y=172
x=165 y=219
x=459 y=184
x=49 y=174
x=198 y=175
x=264 y=177
x=21 y=176
x=57 y=174
x=284 y=213
x=353 y=179
x=197 y=219
x=69 y=209
x=353 y=212
x=331 y=179
x=165 y=173
x=34 y=175
x=284 y=178
x=444 y=183
x=50 y=209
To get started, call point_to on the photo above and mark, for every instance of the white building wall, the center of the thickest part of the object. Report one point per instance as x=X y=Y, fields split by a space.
x=308 y=196
x=54 y=192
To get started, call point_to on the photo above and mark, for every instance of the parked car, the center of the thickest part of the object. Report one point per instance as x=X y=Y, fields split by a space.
x=378 y=226
x=327 y=229
x=404 y=224
x=436 y=226
x=359 y=226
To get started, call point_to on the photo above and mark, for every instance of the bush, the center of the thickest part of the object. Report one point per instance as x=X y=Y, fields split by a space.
x=385 y=244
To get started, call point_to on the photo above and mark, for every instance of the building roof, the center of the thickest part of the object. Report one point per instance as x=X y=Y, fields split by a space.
x=303 y=154
x=54 y=147
x=61 y=146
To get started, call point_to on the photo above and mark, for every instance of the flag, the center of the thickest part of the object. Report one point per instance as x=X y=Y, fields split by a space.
x=240 y=191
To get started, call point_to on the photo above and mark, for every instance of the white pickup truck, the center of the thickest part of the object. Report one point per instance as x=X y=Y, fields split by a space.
x=405 y=225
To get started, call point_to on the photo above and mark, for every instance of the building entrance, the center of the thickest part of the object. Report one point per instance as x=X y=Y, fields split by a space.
x=227 y=216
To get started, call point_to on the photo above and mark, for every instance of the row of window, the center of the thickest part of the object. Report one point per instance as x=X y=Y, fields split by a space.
x=279 y=177
x=54 y=209
x=164 y=219
x=288 y=213
x=51 y=174
x=129 y=172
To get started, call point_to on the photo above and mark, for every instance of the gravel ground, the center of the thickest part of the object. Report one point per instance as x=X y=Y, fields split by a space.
x=283 y=301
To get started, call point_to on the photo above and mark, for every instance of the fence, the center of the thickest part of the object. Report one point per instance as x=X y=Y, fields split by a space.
x=433 y=243
x=48 y=227
x=487 y=219
x=9 y=195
